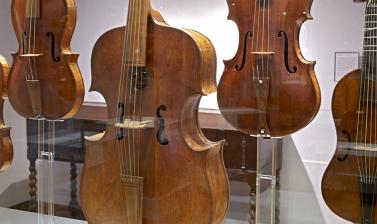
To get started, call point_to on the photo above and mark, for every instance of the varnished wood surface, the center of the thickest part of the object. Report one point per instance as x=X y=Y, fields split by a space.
x=6 y=147
x=341 y=181
x=285 y=102
x=62 y=88
x=184 y=181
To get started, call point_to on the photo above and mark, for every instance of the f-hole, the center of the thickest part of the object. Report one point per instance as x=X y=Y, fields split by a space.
x=248 y=35
x=284 y=35
x=120 y=133
x=348 y=149
x=52 y=36
x=24 y=37
x=161 y=126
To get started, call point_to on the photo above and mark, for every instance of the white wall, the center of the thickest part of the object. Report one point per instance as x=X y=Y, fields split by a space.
x=337 y=26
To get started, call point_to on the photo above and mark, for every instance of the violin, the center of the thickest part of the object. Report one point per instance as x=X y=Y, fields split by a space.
x=6 y=147
x=350 y=180
x=268 y=89
x=45 y=80
x=153 y=164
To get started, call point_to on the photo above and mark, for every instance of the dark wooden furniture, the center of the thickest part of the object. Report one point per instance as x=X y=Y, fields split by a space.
x=239 y=150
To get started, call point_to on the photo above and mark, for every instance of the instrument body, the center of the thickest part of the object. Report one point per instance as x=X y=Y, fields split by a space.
x=342 y=185
x=6 y=147
x=268 y=88
x=45 y=80
x=350 y=181
x=184 y=178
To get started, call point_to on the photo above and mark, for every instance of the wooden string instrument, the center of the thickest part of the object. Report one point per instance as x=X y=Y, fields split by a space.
x=153 y=164
x=45 y=80
x=350 y=181
x=6 y=147
x=268 y=89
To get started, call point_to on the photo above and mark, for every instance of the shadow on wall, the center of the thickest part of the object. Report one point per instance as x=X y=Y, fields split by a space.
x=7 y=195
x=298 y=202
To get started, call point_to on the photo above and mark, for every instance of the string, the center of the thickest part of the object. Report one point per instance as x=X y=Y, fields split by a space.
x=374 y=92
x=126 y=71
x=128 y=90
x=263 y=32
x=128 y=95
x=123 y=79
x=25 y=45
x=145 y=7
x=268 y=35
x=257 y=44
x=373 y=101
x=364 y=109
x=34 y=40
x=371 y=81
x=366 y=160
x=139 y=30
x=30 y=50
x=360 y=116
x=252 y=47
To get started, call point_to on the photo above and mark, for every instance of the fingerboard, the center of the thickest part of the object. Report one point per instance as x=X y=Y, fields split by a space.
x=369 y=69
x=136 y=33
x=33 y=9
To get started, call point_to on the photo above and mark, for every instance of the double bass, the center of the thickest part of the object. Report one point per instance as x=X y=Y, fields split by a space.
x=268 y=89
x=6 y=147
x=45 y=80
x=153 y=164
x=350 y=181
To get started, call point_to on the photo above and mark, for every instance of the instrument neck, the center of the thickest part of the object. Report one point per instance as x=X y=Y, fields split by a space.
x=33 y=9
x=369 y=69
x=136 y=32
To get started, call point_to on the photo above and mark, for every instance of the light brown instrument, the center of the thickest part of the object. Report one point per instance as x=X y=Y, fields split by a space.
x=153 y=164
x=45 y=80
x=349 y=185
x=268 y=89
x=6 y=147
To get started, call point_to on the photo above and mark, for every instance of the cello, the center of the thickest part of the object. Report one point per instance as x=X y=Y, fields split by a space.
x=6 y=147
x=350 y=180
x=153 y=164
x=268 y=89
x=45 y=80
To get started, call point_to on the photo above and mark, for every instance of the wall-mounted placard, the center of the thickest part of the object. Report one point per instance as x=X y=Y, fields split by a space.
x=345 y=62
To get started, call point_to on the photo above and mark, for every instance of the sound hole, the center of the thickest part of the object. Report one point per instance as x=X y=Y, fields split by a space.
x=120 y=133
x=161 y=126
x=248 y=36
x=348 y=136
x=52 y=37
x=140 y=77
x=24 y=37
x=284 y=35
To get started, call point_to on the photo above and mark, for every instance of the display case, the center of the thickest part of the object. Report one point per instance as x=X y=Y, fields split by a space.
x=188 y=112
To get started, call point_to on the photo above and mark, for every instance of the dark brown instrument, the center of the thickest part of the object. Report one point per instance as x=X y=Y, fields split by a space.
x=350 y=181
x=153 y=164
x=45 y=80
x=268 y=89
x=6 y=147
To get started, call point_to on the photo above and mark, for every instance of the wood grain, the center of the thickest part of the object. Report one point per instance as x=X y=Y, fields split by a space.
x=184 y=181
x=275 y=100
x=6 y=146
x=61 y=85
